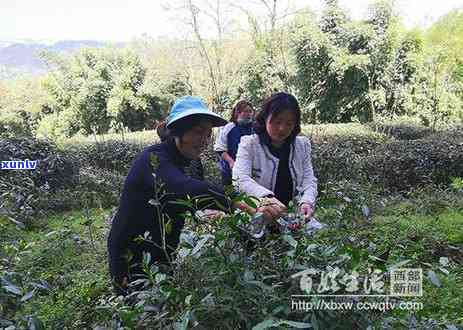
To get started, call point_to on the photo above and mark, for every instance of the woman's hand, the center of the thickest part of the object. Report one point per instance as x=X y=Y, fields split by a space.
x=228 y=159
x=272 y=208
x=125 y=282
x=209 y=215
x=212 y=215
x=231 y=163
x=244 y=207
x=306 y=209
x=270 y=213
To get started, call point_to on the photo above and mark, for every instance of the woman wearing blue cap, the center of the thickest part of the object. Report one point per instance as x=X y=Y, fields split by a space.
x=168 y=165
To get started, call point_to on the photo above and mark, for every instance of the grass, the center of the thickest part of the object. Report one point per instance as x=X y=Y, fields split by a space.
x=424 y=240
x=66 y=268
x=59 y=250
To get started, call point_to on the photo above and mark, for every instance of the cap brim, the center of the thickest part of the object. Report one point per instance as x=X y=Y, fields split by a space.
x=216 y=119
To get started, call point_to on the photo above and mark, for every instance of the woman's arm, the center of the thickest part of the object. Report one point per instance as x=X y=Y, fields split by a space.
x=309 y=181
x=228 y=159
x=182 y=186
x=220 y=144
x=242 y=170
x=117 y=253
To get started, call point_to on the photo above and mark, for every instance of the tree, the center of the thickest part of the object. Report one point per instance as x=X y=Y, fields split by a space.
x=21 y=103
x=333 y=18
x=97 y=90
x=445 y=37
x=355 y=70
x=331 y=65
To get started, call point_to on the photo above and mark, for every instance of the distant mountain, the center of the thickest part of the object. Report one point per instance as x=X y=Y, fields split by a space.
x=22 y=57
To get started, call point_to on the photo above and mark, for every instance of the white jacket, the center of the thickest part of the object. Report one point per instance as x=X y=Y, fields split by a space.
x=255 y=170
x=220 y=144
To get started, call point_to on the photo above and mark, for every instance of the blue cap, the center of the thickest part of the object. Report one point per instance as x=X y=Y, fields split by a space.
x=191 y=105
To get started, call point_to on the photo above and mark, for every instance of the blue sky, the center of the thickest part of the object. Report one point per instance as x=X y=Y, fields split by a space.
x=121 y=20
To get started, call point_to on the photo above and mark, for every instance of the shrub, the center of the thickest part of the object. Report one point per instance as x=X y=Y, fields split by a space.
x=12 y=124
x=402 y=165
x=402 y=131
x=94 y=188
x=400 y=128
x=339 y=158
x=24 y=189
x=453 y=133
x=59 y=182
x=110 y=155
x=209 y=160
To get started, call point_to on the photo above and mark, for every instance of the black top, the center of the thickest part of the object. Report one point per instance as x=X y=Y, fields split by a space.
x=284 y=183
x=175 y=177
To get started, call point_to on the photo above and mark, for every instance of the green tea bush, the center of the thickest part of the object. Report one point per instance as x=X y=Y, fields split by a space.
x=220 y=278
x=83 y=172
x=52 y=165
x=453 y=133
x=94 y=188
x=111 y=155
x=58 y=183
x=340 y=158
x=22 y=190
x=403 y=165
x=340 y=152
x=401 y=130
x=355 y=152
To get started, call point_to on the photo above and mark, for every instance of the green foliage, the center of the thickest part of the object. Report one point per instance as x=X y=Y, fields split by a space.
x=340 y=69
x=402 y=128
x=56 y=126
x=263 y=75
x=350 y=70
x=217 y=277
x=333 y=18
x=62 y=180
x=24 y=190
x=447 y=33
x=97 y=90
x=405 y=164
x=58 y=263
x=51 y=274
x=332 y=72
x=113 y=155
x=440 y=85
x=394 y=155
x=457 y=183
x=12 y=125
x=381 y=15
x=397 y=155
x=21 y=102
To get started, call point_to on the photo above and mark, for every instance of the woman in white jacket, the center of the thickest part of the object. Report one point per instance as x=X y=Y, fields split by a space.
x=276 y=162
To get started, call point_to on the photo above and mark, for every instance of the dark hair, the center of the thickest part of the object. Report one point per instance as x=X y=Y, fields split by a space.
x=238 y=107
x=274 y=105
x=162 y=131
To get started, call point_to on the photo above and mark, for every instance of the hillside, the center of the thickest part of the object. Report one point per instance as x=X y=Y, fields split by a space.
x=23 y=56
